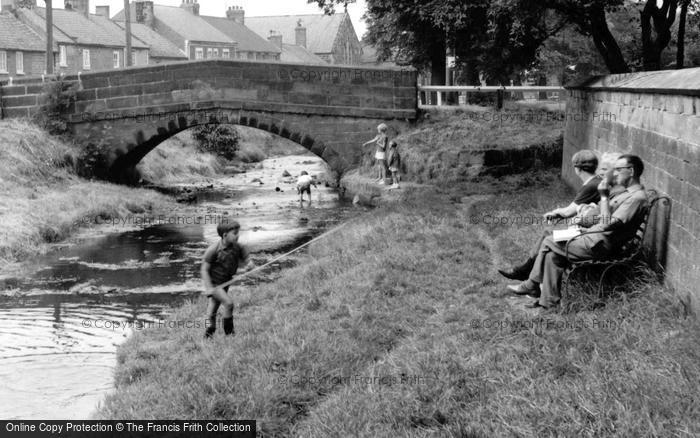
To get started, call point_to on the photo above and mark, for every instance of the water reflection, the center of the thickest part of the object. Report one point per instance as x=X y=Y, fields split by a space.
x=57 y=351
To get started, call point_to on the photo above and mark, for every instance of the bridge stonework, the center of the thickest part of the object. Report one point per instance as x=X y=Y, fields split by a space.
x=655 y=115
x=329 y=110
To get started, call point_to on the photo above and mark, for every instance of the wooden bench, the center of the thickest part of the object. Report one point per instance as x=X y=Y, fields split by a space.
x=630 y=254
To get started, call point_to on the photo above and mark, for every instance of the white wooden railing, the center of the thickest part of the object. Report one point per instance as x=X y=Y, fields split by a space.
x=424 y=92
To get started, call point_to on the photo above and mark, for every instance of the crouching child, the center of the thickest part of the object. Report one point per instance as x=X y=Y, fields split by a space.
x=304 y=184
x=219 y=264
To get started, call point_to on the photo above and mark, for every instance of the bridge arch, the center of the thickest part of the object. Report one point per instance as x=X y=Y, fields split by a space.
x=140 y=135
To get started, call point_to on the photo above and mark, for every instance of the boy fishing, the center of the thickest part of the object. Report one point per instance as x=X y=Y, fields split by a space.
x=219 y=264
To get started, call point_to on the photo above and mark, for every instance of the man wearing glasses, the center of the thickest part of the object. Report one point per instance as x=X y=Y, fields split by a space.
x=620 y=217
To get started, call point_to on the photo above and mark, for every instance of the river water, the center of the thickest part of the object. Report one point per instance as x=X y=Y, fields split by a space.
x=63 y=315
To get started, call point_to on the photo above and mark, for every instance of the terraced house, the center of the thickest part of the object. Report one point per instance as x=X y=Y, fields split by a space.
x=85 y=42
x=21 y=48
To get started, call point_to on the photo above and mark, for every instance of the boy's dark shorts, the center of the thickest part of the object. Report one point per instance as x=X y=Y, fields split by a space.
x=306 y=189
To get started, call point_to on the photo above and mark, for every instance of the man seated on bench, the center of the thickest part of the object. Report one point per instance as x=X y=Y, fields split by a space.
x=620 y=217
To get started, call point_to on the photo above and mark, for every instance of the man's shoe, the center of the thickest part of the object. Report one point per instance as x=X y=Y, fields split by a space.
x=514 y=274
x=521 y=272
x=534 y=305
x=523 y=289
x=537 y=305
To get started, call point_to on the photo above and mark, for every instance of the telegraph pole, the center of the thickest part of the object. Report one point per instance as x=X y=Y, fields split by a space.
x=49 y=37
x=127 y=18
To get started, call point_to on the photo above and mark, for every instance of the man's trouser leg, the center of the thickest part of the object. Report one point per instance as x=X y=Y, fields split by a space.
x=550 y=264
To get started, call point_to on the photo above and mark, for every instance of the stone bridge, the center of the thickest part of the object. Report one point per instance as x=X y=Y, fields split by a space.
x=329 y=110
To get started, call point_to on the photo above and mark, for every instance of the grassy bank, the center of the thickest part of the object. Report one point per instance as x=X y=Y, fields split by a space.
x=176 y=160
x=42 y=201
x=398 y=325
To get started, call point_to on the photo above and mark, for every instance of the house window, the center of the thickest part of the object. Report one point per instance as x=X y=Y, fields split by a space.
x=198 y=53
x=19 y=58
x=86 y=59
x=209 y=53
x=251 y=55
x=148 y=59
x=115 y=58
x=225 y=53
x=216 y=53
x=133 y=57
x=62 y=56
x=3 y=61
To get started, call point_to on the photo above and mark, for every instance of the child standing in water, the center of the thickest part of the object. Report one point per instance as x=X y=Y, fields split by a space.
x=380 y=154
x=394 y=161
x=304 y=184
x=220 y=263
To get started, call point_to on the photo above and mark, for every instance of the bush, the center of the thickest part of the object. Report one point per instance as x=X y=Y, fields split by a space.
x=217 y=139
x=92 y=162
x=60 y=95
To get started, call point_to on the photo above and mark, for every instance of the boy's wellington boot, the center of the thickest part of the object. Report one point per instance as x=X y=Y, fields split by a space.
x=228 y=326
x=211 y=328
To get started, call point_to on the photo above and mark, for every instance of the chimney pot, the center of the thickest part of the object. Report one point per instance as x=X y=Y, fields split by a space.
x=275 y=38
x=236 y=13
x=144 y=13
x=300 y=35
x=102 y=10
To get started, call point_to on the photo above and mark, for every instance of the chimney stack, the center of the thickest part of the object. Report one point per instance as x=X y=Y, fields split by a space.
x=190 y=5
x=82 y=6
x=102 y=10
x=11 y=5
x=7 y=5
x=300 y=34
x=236 y=13
x=144 y=13
x=275 y=38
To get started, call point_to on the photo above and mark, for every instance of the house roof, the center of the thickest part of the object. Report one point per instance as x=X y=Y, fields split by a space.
x=248 y=41
x=15 y=35
x=160 y=47
x=189 y=26
x=294 y=53
x=38 y=25
x=321 y=30
x=91 y=30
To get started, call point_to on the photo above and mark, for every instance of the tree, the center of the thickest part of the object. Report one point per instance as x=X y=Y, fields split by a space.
x=656 y=31
x=499 y=37
x=485 y=35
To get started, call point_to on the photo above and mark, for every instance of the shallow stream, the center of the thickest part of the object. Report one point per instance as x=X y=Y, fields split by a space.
x=63 y=315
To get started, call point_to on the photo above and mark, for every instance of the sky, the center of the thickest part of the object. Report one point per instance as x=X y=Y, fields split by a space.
x=217 y=8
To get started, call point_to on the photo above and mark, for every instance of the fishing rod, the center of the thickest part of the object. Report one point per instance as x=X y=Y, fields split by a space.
x=257 y=268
